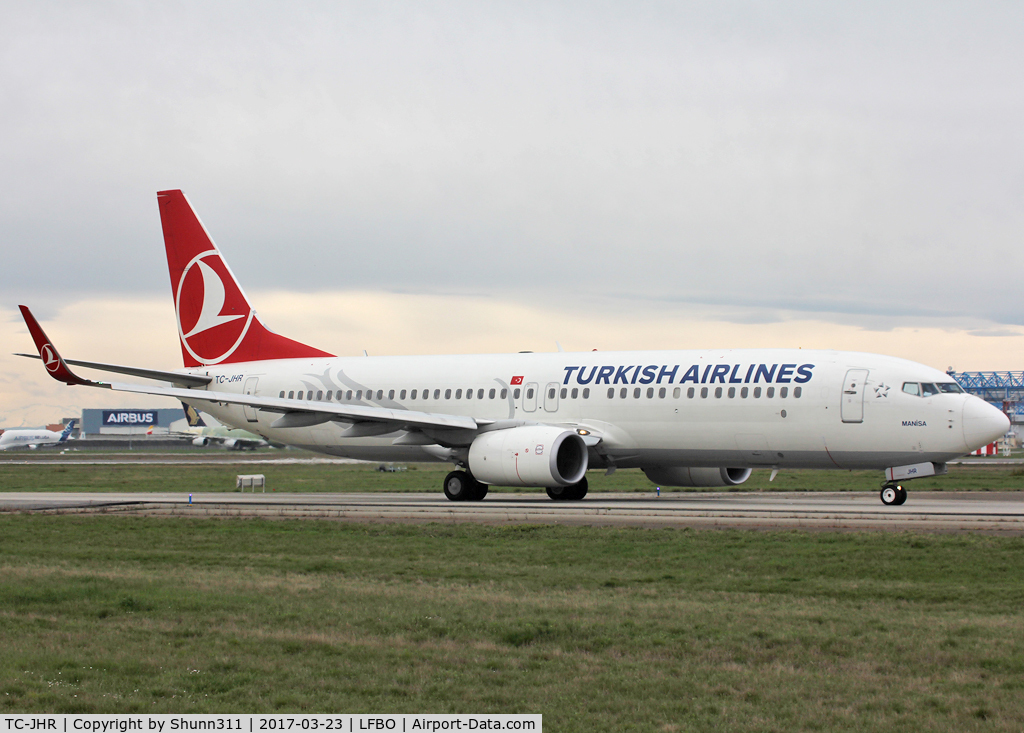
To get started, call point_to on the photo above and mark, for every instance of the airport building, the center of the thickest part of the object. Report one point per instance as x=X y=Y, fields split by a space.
x=97 y=423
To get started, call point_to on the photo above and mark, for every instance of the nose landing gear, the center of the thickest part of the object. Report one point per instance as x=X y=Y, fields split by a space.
x=893 y=494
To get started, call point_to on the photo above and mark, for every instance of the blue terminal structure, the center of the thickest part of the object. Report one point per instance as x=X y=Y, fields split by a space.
x=1004 y=390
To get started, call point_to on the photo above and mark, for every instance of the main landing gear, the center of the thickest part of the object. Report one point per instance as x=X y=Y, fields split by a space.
x=893 y=494
x=574 y=492
x=461 y=486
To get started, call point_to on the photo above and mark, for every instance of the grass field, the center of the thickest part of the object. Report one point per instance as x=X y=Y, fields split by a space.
x=428 y=477
x=599 y=629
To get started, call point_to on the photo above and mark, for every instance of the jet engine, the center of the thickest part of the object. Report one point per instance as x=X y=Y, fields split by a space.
x=684 y=476
x=200 y=441
x=533 y=455
x=230 y=444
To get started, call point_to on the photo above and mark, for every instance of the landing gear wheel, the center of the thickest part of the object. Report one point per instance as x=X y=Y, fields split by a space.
x=579 y=489
x=559 y=493
x=479 y=491
x=575 y=492
x=891 y=494
x=459 y=486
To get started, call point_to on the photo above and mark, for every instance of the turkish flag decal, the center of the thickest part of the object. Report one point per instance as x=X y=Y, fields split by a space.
x=516 y=380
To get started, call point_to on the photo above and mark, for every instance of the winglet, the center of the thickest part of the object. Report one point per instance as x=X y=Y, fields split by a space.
x=53 y=362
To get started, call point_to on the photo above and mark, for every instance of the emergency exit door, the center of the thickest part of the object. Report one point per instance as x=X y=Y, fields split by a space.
x=852 y=409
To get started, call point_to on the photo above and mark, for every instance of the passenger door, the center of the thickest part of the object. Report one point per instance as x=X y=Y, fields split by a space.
x=852 y=408
x=249 y=390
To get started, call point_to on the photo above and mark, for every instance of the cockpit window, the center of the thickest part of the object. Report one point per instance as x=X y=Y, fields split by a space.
x=950 y=387
x=927 y=390
x=912 y=388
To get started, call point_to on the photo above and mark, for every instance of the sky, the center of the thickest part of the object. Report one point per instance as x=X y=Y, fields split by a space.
x=460 y=177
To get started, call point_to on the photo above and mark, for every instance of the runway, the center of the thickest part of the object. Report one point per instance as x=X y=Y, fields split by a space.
x=995 y=512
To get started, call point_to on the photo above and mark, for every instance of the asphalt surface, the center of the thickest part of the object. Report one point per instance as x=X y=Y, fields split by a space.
x=995 y=512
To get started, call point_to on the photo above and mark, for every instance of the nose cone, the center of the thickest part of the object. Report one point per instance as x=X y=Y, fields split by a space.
x=983 y=423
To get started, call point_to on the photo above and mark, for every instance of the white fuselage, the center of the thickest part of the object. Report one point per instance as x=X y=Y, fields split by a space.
x=737 y=408
x=12 y=439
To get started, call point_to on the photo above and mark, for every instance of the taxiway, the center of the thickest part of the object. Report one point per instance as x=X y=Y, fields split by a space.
x=995 y=512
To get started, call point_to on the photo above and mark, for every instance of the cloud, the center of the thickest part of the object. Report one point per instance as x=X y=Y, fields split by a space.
x=860 y=161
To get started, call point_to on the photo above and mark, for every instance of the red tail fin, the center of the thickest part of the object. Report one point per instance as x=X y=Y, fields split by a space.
x=216 y=324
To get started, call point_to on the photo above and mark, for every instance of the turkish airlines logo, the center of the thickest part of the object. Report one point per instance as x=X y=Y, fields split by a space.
x=213 y=315
x=50 y=359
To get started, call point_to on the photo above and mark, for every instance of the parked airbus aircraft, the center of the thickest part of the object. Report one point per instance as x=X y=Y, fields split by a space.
x=19 y=438
x=687 y=418
x=193 y=427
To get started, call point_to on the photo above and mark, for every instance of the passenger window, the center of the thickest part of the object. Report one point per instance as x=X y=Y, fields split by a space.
x=359 y=394
x=783 y=392
x=744 y=392
x=563 y=393
x=458 y=394
x=732 y=392
x=291 y=395
x=689 y=393
x=479 y=394
x=310 y=395
x=412 y=395
x=504 y=393
x=636 y=393
x=622 y=393
x=319 y=395
x=586 y=393
x=447 y=394
x=330 y=393
x=703 y=393
x=469 y=394
x=718 y=392
x=676 y=392
x=380 y=395
x=797 y=391
x=515 y=393
x=391 y=394
x=757 y=392
x=928 y=390
x=490 y=395
x=437 y=394
x=661 y=393
x=282 y=394
x=348 y=395
x=650 y=392
x=529 y=393
x=575 y=392
x=551 y=393
x=611 y=392
x=401 y=395
x=770 y=392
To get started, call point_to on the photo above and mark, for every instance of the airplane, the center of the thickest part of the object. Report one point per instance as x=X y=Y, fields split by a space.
x=34 y=438
x=700 y=418
x=195 y=428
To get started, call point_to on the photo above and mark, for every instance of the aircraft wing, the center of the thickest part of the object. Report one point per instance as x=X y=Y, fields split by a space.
x=185 y=380
x=294 y=413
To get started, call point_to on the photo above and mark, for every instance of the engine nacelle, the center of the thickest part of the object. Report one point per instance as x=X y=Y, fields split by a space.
x=684 y=476
x=200 y=441
x=230 y=443
x=534 y=455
